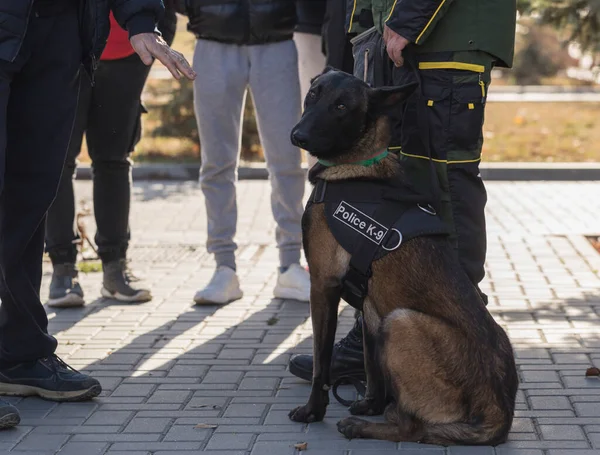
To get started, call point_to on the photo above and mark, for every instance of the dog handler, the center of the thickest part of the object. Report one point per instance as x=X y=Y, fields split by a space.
x=450 y=46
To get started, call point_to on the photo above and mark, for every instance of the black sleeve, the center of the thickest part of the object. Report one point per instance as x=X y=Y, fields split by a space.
x=415 y=19
x=138 y=16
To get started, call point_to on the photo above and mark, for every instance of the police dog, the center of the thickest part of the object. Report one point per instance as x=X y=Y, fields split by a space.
x=438 y=366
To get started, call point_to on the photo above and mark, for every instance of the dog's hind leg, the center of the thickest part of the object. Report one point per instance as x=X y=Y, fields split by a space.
x=428 y=361
x=374 y=401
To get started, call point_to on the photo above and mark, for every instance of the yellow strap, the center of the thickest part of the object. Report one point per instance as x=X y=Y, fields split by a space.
x=430 y=103
x=352 y=16
x=471 y=106
x=430 y=21
x=391 y=11
x=451 y=65
x=440 y=161
x=482 y=88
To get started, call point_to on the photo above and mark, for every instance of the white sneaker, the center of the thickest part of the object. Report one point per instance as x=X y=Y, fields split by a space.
x=224 y=287
x=294 y=284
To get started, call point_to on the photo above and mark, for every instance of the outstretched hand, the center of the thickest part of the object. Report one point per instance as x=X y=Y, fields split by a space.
x=394 y=44
x=150 y=46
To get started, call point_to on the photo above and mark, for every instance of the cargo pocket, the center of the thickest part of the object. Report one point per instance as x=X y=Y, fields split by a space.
x=466 y=116
x=364 y=48
x=436 y=102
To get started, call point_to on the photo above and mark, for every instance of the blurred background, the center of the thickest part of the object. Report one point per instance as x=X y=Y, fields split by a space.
x=545 y=109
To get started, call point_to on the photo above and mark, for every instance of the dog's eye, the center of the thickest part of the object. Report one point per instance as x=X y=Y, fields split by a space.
x=340 y=107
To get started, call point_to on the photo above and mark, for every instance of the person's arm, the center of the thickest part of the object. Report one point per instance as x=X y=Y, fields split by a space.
x=139 y=18
x=416 y=19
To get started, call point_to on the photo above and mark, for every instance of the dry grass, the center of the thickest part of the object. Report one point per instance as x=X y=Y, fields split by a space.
x=523 y=132
x=542 y=132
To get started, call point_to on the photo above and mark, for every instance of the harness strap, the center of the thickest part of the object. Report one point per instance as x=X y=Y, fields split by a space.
x=355 y=284
x=364 y=191
x=424 y=130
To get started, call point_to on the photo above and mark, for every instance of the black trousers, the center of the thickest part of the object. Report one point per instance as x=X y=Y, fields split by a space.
x=448 y=109
x=38 y=99
x=109 y=115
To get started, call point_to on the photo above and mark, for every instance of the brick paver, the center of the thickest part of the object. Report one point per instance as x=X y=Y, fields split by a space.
x=182 y=379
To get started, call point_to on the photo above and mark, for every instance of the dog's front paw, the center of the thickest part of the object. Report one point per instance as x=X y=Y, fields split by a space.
x=351 y=427
x=307 y=414
x=367 y=407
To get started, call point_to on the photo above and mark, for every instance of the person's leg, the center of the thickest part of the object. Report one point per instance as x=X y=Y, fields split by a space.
x=311 y=60
x=61 y=231
x=276 y=94
x=40 y=114
x=9 y=416
x=455 y=101
x=311 y=63
x=113 y=129
x=219 y=95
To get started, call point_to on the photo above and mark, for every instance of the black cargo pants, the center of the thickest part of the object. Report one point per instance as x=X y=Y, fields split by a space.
x=452 y=98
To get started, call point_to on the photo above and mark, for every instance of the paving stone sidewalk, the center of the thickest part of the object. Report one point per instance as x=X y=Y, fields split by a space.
x=180 y=379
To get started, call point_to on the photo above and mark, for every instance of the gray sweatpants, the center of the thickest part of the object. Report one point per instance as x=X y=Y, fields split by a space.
x=224 y=73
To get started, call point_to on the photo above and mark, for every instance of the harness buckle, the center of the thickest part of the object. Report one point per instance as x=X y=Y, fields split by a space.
x=395 y=247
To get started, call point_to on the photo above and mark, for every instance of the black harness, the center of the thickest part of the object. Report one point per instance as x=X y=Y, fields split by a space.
x=369 y=219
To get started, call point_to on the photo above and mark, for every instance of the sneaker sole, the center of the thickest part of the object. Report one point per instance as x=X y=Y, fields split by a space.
x=141 y=296
x=18 y=390
x=68 y=301
x=203 y=301
x=10 y=420
x=289 y=294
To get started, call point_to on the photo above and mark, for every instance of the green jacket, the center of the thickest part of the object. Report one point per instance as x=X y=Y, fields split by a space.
x=445 y=25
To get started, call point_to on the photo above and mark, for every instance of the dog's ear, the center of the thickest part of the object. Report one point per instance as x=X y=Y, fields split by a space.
x=327 y=69
x=385 y=98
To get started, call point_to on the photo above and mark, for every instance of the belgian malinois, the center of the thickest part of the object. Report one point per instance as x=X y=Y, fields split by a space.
x=438 y=366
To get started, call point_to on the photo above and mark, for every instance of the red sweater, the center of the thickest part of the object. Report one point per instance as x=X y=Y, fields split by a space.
x=118 y=45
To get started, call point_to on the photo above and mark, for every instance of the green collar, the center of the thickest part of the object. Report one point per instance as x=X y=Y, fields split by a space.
x=365 y=163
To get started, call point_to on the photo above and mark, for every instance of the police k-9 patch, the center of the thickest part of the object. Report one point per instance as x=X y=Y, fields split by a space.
x=360 y=222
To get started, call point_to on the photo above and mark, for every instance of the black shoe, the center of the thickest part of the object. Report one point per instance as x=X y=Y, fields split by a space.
x=347 y=359
x=49 y=378
x=9 y=416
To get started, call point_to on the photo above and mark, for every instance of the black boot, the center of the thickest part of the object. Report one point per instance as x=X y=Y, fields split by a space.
x=347 y=359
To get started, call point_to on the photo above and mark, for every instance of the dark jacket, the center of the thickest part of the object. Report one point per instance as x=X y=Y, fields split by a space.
x=135 y=16
x=444 y=25
x=241 y=22
x=311 y=14
x=458 y=25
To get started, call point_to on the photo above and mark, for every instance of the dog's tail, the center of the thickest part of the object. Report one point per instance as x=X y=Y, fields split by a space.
x=465 y=433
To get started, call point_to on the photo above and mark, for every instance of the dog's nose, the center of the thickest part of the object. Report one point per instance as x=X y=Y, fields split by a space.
x=299 y=139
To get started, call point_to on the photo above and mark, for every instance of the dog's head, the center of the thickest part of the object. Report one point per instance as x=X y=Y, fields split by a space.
x=344 y=119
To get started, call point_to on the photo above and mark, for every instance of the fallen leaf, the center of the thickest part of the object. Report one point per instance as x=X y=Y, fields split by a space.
x=201 y=406
x=301 y=446
x=592 y=372
x=205 y=425
x=273 y=321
